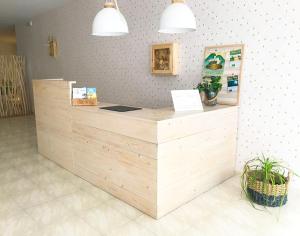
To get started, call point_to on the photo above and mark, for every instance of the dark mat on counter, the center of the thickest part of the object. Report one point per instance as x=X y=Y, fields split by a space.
x=120 y=108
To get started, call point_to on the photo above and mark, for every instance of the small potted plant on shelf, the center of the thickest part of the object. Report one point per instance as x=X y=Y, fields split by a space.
x=265 y=182
x=209 y=88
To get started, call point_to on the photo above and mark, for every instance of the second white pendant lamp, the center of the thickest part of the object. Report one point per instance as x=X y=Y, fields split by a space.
x=177 y=18
x=110 y=21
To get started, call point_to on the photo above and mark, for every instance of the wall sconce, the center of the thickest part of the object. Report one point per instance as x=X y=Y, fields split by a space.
x=53 y=47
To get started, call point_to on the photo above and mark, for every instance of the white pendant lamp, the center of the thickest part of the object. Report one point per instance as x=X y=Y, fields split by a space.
x=110 y=21
x=177 y=18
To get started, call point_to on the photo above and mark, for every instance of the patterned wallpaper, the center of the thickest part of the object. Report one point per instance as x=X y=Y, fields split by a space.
x=120 y=67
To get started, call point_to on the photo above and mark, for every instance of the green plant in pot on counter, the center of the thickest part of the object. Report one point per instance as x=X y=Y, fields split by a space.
x=265 y=182
x=210 y=88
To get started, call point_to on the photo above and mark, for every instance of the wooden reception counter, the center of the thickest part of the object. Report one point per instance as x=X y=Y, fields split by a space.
x=153 y=159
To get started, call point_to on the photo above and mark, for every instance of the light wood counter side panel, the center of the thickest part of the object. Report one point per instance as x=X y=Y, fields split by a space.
x=55 y=146
x=190 y=125
x=195 y=143
x=180 y=166
x=43 y=139
x=170 y=200
x=186 y=180
x=54 y=121
x=46 y=120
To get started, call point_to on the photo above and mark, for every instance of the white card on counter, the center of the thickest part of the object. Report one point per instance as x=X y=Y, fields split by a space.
x=79 y=93
x=186 y=100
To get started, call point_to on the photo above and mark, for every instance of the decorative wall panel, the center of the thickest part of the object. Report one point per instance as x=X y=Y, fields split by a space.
x=120 y=67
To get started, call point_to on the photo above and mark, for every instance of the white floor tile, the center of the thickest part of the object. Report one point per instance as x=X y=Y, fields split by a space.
x=79 y=201
x=73 y=226
x=61 y=188
x=104 y=218
x=49 y=213
x=17 y=225
x=32 y=198
x=124 y=208
x=130 y=229
x=169 y=225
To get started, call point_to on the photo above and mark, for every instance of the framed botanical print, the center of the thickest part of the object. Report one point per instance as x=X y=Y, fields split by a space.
x=225 y=62
x=164 y=59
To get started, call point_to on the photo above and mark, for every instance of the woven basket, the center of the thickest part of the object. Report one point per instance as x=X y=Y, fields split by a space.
x=267 y=194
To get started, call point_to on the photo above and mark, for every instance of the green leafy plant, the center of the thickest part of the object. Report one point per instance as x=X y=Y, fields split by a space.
x=210 y=84
x=268 y=172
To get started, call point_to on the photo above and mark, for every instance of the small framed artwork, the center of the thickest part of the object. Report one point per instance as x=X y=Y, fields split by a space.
x=84 y=97
x=225 y=62
x=164 y=59
x=53 y=47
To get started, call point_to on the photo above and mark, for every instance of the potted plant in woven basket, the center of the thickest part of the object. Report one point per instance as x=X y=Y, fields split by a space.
x=209 y=88
x=265 y=182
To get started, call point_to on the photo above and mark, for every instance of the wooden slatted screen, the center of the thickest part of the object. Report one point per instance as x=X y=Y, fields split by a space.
x=13 y=95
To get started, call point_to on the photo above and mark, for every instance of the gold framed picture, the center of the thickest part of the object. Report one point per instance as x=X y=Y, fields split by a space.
x=226 y=62
x=164 y=59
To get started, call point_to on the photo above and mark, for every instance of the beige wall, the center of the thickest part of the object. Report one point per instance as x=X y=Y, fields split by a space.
x=8 y=42
x=120 y=67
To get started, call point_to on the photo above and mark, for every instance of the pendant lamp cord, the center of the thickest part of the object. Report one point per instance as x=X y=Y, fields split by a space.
x=116 y=3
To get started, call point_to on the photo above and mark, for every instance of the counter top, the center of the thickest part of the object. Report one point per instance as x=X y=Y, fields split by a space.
x=154 y=115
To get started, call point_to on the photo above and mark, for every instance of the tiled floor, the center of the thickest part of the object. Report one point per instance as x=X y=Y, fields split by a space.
x=37 y=197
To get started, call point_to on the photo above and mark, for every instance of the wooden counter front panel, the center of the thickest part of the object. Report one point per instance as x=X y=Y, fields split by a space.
x=115 y=122
x=117 y=140
x=112 y=166
x=194 y=164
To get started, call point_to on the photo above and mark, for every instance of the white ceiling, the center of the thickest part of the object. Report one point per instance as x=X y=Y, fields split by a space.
x=12 y=11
